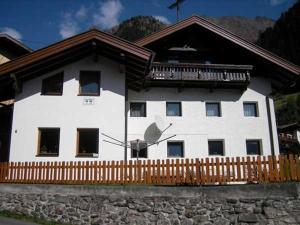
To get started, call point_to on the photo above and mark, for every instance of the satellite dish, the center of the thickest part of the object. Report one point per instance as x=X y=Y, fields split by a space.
x=152 y=133
x=160 y=124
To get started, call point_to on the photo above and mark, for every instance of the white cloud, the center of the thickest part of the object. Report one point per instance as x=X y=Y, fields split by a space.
x=108 y=14
x=81 y=13
x=162 y=19
x=12 y=32
x=68 y=26
x=276 y=2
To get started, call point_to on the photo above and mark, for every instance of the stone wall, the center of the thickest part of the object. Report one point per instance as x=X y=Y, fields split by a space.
x=273 y=204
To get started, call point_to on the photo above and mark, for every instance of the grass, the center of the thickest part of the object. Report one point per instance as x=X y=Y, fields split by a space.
x=23 y=217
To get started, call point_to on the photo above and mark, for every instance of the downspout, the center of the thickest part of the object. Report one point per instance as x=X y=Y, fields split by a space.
x=270 y=125
x=126 y=121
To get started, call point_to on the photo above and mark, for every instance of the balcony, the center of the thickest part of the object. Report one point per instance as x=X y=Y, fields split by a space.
x=199 y=75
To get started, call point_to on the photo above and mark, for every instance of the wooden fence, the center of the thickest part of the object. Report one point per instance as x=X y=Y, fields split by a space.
x=211 y=171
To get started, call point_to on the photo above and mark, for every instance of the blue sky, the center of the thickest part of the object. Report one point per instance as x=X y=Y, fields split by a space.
x=38 y=23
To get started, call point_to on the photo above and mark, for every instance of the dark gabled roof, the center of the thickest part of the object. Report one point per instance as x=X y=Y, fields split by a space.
x=14 y=43
x=93 y=42
x=93 y=34
x=225 y=34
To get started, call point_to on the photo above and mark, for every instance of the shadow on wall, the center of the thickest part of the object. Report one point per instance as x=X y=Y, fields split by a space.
x=108 y=82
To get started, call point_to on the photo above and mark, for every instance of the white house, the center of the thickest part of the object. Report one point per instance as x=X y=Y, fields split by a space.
x=89 y=97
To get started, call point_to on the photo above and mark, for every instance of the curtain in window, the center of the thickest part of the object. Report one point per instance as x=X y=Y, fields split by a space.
x=249 y=110
x=137 y=110
x=173 y=109
x=212 y=109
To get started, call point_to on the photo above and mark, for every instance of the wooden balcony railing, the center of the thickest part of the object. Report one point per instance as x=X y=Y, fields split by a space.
x=200 y=72
x=213 y=171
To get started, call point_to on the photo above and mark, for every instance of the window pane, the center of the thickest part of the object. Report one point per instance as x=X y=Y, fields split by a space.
x=174 y=109
x=143 y=153
x=212 y=109
x=53 y=85
x=88 y=141
x=253 y=147
x=49 y=141
x=175 y=149
x=137 y=109
x=215 y=148
x=90 y=82
x=250 y=109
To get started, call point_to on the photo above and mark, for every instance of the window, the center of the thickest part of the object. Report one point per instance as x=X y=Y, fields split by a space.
x=143 y=153
x=88 y=142
x=253 y=147
x=89 y=83
x=174 y=109
x=216 y=148
x=250 y=109
x=48 y=144
x=53 y=85
x=137 y=109
x=175 y=149
x=213 y=109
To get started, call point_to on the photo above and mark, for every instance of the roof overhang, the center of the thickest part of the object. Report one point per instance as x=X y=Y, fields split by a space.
x=136 y=59
x=18 y=47
x=284 y=66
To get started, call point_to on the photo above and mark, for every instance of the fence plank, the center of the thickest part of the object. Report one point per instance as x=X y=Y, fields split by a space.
x=259 y=170
x=198 y=178
x=271 y=170
x=228 y=170
x=238 y=169
x=297 y=167
x=148 y=171
x=207 y=175
x=177 y=172
x=1 y=172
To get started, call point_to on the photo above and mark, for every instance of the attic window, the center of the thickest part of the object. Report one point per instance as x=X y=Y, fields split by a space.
x=53 y=85
x=89 y=83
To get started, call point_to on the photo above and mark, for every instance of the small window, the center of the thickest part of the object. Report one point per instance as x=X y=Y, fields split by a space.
x=175 y=149
x=53 y=85
x=88 y=142
x=143 y=153
x=253 y=147
x=250 y=109
x=213 y=109
x=215 y=148
x=48 y=142
x=89 y=83
x=137 y=109
x=174 y=109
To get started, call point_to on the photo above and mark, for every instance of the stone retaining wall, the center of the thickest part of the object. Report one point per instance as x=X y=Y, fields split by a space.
x=273 y=204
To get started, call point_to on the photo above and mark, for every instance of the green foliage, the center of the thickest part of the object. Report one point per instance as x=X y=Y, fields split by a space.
x=284 y=38
x=137 y=27
x=288 y=109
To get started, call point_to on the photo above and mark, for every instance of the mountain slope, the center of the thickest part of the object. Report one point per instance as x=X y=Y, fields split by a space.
x=140 y=26
x=284 y=40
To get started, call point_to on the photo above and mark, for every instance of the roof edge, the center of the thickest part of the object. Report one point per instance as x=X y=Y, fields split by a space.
x=195 y=19
x=16 y=42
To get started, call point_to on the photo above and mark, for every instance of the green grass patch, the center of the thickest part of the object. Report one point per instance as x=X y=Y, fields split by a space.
x=27 y=218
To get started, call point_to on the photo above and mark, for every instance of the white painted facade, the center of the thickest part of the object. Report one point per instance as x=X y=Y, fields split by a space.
x=194 y=128
x=67 y=112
